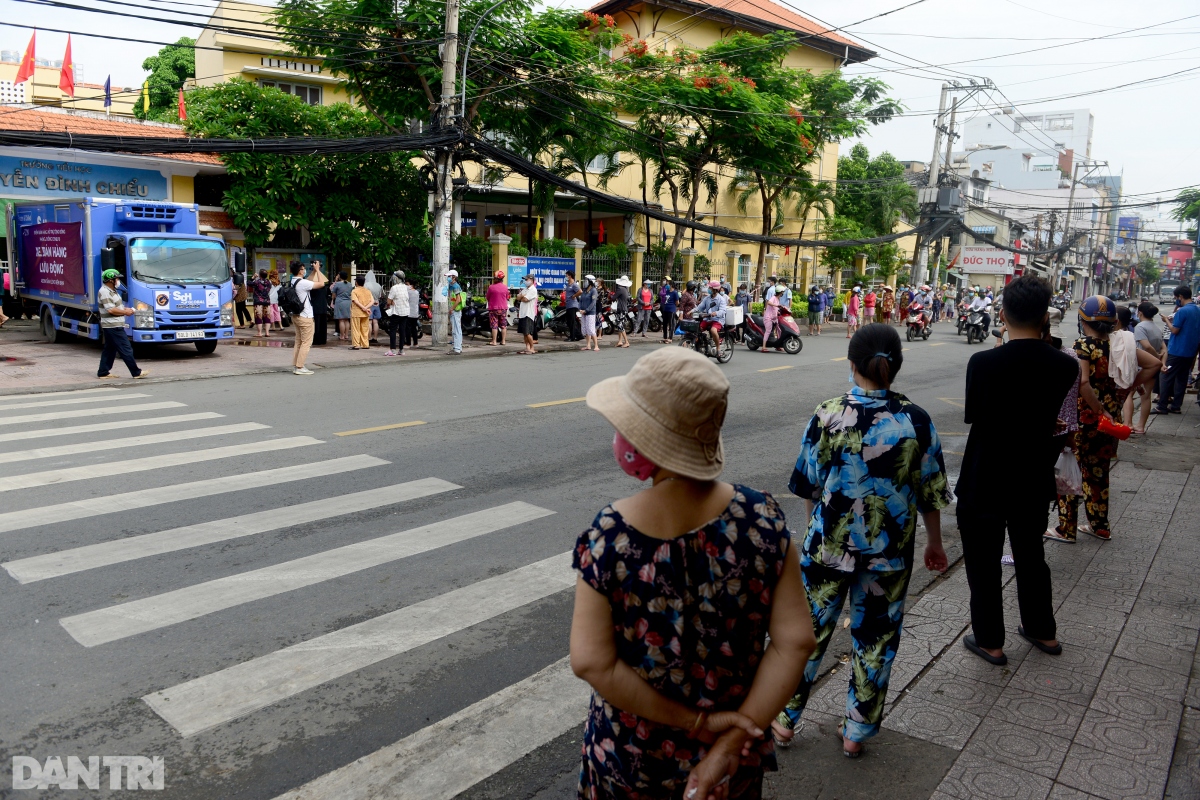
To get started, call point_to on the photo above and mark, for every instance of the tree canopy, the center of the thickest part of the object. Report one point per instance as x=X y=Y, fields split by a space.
x=168 y=70
x=873 y=192
x=366 y=207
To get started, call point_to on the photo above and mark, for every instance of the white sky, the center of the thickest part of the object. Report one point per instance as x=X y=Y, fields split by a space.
x=1149 y=131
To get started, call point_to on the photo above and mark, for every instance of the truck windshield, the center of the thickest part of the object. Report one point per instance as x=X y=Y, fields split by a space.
x=178 y=260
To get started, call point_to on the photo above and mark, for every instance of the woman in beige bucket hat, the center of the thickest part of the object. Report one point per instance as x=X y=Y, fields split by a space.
x=678 y=587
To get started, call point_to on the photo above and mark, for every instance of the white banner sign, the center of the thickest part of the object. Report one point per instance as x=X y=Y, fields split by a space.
x=976 y=260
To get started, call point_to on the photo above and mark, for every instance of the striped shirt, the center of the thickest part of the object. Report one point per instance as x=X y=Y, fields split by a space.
x=110 y=300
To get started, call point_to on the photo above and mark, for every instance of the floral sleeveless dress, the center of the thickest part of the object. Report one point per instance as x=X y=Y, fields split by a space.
x=690 y=615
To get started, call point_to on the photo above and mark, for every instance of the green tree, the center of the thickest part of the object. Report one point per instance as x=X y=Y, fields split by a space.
x=1147 y=269
x=873 y=192
x=1187 y=209
x=522 y=64
x=365 y=207
x=168 y=70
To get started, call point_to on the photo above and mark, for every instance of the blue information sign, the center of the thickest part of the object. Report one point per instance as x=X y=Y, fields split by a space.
x=549 y=271
x=38 y=177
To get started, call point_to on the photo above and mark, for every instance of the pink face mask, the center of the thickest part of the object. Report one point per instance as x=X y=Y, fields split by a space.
x=631 y=461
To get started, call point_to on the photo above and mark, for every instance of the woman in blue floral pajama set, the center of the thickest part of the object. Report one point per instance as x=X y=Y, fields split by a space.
x=870 y=463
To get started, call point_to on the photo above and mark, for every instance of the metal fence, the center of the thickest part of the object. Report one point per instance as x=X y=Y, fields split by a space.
x=606 y=268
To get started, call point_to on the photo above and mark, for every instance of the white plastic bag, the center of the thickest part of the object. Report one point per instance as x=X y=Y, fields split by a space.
x=1067 y=476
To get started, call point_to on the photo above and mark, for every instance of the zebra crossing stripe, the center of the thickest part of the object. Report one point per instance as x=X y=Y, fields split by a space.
x=131 y=548
x=130 y=441
x=158 y=611
x=75 y=413
x=55 y=477
x=144 y=498
x=115 y=425
x=70 y=401
x=73 y=392
x=445 y=759
x=219 y=697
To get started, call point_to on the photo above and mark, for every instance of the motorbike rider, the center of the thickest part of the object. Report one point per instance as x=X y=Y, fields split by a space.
x=983 y=303
x=771 y=301
x=711 y=312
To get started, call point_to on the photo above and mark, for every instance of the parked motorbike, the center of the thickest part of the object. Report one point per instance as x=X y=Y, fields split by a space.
x=917 y=323
x=702 y=343
x=786 y=334
x=656 y=321
x=974 y=327
x=475 y=319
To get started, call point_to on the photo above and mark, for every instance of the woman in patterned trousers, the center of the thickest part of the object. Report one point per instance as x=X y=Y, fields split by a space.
x=870 y=463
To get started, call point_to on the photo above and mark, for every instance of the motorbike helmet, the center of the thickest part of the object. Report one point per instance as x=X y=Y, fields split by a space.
x=1098 y=308
x=715 y=285
x=109 y=275
x=591 y=278
x=691 y=286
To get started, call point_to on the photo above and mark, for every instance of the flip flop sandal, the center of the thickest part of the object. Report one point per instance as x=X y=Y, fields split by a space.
x=1101 y=534
x=1056 y=650
x=1054 y=536
x=783 y=736
x=850 y=753
x=969 y=643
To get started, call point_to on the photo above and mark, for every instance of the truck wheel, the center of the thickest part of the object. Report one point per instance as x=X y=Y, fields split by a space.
x=51 y=334
x=206 y=347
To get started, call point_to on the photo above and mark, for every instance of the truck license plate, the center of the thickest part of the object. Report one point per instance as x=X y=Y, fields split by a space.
x=189 y=334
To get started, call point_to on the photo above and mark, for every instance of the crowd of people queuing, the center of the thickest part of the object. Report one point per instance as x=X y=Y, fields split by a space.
x=700 y=618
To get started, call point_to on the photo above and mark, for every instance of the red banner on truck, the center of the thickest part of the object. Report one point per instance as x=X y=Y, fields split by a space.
x=53 y=257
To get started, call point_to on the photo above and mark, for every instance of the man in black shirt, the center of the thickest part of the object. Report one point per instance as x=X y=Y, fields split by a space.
x=1014 y=393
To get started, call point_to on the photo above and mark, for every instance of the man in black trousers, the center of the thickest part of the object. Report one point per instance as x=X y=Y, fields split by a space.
x=1014 y=393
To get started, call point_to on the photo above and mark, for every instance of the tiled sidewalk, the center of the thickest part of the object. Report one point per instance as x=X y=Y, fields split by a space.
x=1101 y=720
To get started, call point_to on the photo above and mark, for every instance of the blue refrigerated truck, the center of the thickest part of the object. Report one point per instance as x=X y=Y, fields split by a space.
x=178 y=281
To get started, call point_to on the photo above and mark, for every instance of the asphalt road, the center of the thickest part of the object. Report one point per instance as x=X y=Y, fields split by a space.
x=257 y=654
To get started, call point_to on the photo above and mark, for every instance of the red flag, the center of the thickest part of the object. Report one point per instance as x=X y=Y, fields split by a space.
x=600 y=238
x=787 y=250
x=66 y=76
x=182 y=107
x=25 y=71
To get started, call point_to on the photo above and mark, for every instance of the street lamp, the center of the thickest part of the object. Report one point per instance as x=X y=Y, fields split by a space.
x=467 y=55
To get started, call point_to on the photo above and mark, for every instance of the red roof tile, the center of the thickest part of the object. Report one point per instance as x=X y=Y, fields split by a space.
x=217 y=220
x=762 y=10
x=36 y=119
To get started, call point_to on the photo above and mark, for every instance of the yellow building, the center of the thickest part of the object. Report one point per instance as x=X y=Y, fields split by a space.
x=501 y=207
x=240 y=42
x=42 y=89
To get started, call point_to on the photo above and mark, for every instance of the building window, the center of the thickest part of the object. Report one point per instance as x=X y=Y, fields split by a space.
x=602 y=162
x=1060 y=123
x=309 y=94
x=282 y=63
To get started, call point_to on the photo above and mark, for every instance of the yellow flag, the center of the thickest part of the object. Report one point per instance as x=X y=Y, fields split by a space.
x=146 y=97
x=538 y=234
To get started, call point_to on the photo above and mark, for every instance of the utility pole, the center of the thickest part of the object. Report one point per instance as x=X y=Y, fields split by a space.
x=937 y=257
x=931 y=182
x=443 y=199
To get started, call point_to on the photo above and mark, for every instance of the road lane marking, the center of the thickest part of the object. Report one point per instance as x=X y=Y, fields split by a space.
x=54 y=477
x=75 y=430
x=70 y=401
x=445 y=759
x=556 y=402
x=843 y=358
x=88 y=412
x=73 y=392
x=158 y=611
x=130 y=441
x=143 y=498
x=951 y=401
x=219 y=697
x=937 y=344
x=381 y=428
x=776 y=369
x=131 y=548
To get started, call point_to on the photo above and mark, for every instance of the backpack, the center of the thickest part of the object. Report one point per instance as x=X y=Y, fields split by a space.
x=289 y=298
